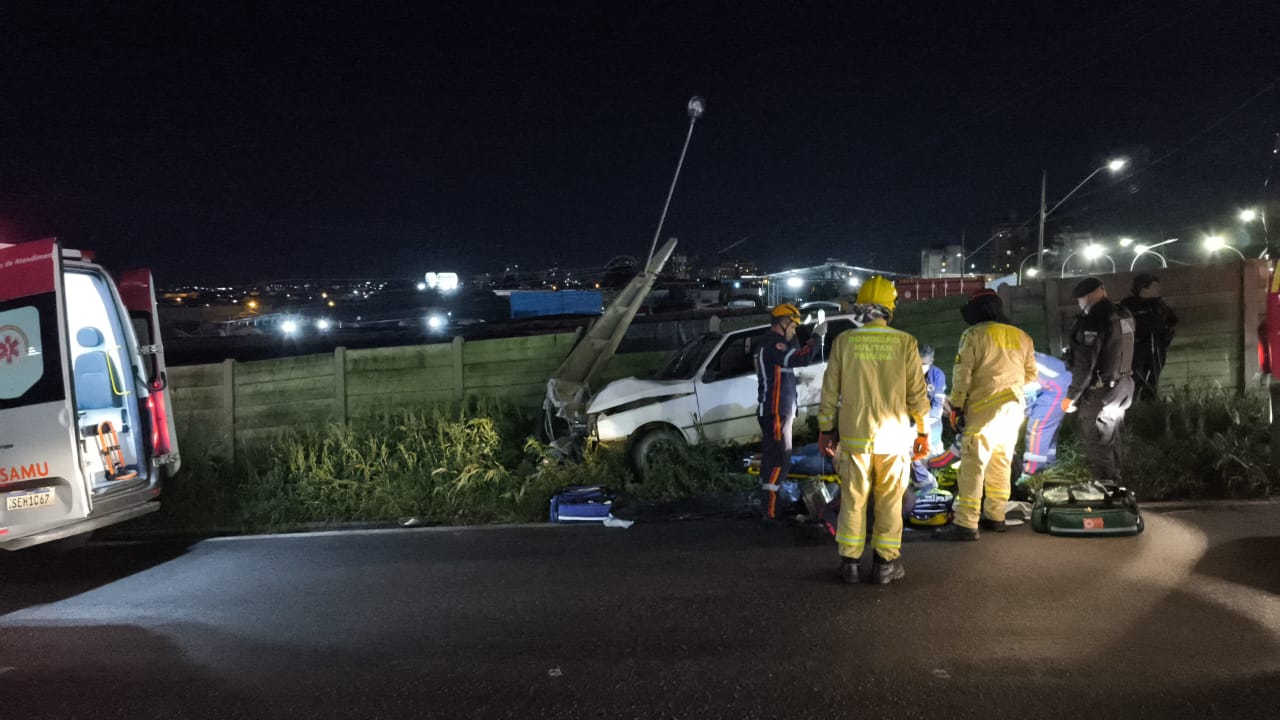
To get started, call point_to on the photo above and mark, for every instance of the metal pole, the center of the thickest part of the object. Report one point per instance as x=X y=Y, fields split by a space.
x=696 y=107
x=1044 y=177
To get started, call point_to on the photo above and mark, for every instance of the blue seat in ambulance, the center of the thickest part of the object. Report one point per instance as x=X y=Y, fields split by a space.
x=93 y=373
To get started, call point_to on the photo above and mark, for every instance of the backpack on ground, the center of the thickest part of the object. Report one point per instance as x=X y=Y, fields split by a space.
x=581 y=503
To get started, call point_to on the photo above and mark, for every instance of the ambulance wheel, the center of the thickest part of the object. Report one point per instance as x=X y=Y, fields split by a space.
x=651 y=445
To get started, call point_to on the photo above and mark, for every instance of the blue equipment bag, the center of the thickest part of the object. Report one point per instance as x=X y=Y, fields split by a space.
x=581 y=503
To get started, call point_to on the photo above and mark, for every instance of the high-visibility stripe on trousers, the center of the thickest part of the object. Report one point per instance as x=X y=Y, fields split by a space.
x=986 y=453
x=775 y=457
x=866 y=479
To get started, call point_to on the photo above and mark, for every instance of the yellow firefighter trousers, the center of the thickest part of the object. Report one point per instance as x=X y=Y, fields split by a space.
x=985 y=455
x=883 y=478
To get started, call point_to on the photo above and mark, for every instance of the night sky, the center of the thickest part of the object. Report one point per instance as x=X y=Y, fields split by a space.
x=229 y=142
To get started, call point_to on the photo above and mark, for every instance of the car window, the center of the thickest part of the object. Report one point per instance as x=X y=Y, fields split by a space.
x=735 y=358
x=686 y=361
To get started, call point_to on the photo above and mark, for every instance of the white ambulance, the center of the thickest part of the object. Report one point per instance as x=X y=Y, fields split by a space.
x=86 y=426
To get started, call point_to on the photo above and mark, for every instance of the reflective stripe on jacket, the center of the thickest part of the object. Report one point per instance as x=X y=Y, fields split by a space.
x=875 y=384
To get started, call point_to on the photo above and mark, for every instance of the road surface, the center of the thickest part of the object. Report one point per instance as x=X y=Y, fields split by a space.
x=700 y=619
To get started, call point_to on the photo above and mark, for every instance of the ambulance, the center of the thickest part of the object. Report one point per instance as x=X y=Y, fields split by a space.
x=86 y=425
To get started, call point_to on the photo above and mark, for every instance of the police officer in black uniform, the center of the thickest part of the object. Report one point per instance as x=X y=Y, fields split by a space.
x=1100 y=359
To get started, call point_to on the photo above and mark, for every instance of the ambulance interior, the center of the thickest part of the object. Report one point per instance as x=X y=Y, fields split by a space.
x=106 y=392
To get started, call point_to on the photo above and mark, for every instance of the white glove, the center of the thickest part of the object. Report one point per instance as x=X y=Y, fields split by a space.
x=820 y=330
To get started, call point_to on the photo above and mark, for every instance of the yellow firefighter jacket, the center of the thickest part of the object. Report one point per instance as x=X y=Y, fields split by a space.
x=994 y=363
x=875 y=382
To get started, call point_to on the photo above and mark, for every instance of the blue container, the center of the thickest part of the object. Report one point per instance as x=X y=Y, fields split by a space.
x=545 y=303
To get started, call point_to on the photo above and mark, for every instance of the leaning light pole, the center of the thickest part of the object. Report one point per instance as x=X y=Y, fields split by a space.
x=696 y=107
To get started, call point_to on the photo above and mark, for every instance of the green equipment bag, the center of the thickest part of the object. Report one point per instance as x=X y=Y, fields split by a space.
x=1084 y=509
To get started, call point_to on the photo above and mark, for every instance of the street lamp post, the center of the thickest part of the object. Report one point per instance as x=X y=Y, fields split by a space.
x=696 y=107
x=1140 y=250
x=1115 y=165
x=1031 y=272
x=1091 y=253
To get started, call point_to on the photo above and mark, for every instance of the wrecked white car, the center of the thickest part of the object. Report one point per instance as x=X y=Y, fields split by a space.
x=706 y=392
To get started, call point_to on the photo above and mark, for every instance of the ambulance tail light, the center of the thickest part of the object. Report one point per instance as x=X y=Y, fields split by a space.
x=160 y=442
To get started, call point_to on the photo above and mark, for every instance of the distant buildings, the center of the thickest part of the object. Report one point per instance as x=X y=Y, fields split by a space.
x=941 y=262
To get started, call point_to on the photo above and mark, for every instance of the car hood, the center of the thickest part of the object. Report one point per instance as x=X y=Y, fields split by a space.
x=630 y=390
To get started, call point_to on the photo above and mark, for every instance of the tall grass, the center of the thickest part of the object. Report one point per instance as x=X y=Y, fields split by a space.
x=469 y=463
x=475 y=463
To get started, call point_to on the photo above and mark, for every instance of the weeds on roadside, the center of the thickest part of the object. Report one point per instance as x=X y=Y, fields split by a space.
x=1193 y=443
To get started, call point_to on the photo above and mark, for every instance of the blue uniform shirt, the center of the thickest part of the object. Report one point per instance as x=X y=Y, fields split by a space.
x=776 y=360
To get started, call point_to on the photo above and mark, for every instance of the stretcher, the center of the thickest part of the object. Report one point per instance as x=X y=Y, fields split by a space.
x=812 y=480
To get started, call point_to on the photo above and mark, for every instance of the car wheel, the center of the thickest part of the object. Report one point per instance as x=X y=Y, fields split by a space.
x=651 y=445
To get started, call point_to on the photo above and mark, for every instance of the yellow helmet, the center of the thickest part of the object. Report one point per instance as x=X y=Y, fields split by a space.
x=878 y=291
x=786 y=310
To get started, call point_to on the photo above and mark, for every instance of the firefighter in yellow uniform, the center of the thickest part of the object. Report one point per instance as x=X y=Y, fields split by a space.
x=874 y=387
x=995 y=362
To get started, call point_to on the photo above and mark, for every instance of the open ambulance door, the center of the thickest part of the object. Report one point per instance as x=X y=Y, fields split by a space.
x=137 y=292
x=42 y=484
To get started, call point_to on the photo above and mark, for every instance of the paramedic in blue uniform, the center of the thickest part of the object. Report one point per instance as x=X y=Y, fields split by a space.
x=1044 y=414
x=935 y=380
x=777 y=355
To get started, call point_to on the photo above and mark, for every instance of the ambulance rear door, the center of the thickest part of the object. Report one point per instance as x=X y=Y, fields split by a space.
x=137 y=292
x=42 y=485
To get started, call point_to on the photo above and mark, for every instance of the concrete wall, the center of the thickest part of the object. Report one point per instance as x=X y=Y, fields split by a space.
x=236 y=404
x=1218 y=307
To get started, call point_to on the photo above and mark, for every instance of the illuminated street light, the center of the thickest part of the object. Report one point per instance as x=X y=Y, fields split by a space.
x=1141 y=249
x=1114 y=165
x=1091 y=252
x=1216 y=243
x=1248 y=215
x=1033 y=271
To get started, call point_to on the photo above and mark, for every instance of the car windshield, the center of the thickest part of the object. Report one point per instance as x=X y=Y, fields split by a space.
x=689 y=358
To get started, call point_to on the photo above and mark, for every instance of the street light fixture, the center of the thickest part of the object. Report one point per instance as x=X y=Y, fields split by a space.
x=1114 y=165
x=1215 y=243
x=1140 y=250
x=1091 y=252
x=1031 y=272
x=696 y=107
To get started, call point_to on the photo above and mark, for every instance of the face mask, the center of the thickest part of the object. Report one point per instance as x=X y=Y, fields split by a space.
x=1083 y=303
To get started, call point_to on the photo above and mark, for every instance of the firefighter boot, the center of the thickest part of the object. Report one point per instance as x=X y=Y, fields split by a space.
x=992 y=525
x=849 y=570
x=888 y=570
x=955 y=532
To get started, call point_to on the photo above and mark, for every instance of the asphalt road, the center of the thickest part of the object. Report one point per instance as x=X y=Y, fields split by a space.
x=683 y=620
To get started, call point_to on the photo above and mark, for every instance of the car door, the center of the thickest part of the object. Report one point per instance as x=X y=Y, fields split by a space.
x=137 y=292
x=727 y=390
x=41 y=480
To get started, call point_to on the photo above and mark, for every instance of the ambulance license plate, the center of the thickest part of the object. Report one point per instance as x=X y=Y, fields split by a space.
x=40 y=497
